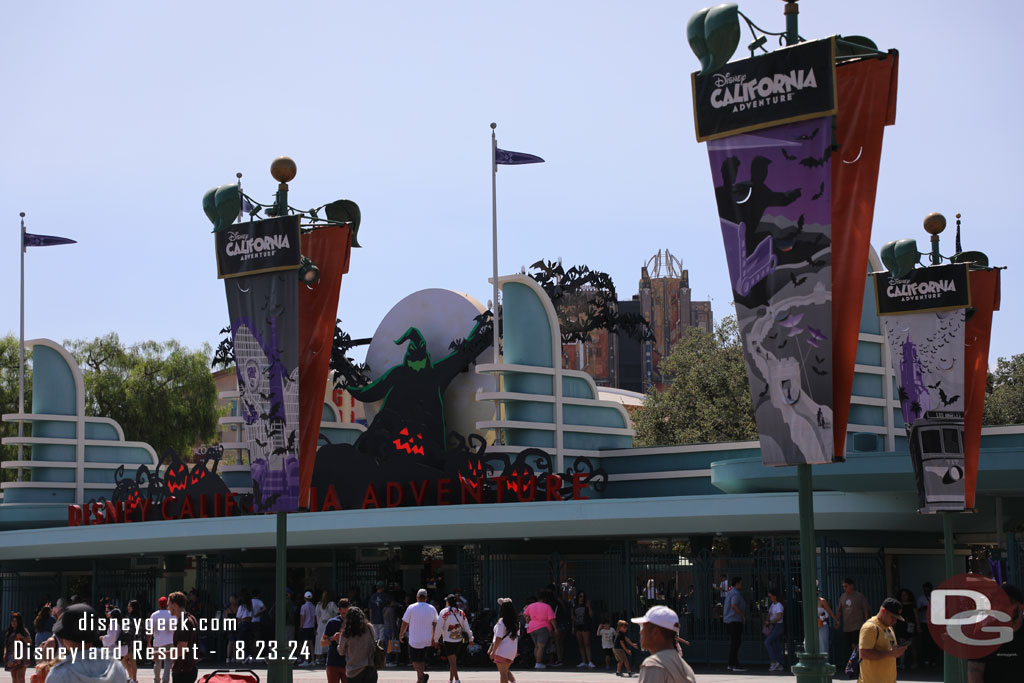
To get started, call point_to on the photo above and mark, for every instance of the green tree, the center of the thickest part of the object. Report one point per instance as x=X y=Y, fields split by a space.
x=9 y=397
x=1004 y=400
x=160 y=393
x=708 y=399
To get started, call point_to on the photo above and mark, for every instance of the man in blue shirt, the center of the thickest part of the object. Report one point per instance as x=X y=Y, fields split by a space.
x=378 y=601
x=332 y=632
x=734 y=614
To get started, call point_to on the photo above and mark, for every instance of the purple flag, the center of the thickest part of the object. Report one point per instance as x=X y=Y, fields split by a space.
x=503 y=156
x=45 y=240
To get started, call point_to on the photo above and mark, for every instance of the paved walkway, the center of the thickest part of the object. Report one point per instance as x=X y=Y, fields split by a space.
x=406 y=675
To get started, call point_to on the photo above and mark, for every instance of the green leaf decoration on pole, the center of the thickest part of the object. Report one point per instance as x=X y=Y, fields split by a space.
x=345 y=211
x=900 y=256
x=222 y=205
x=713 y=34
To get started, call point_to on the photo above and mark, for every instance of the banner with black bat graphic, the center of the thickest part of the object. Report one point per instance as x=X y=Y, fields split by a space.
x=924 y=315
x=790 y=84
x=774 y=203
x=264 y=314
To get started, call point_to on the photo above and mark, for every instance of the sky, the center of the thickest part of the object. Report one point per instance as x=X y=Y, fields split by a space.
x=118 y=116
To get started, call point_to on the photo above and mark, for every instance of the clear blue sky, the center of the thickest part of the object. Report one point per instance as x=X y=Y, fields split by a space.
x=118 y=116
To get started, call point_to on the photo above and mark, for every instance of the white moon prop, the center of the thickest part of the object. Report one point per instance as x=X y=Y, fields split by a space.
x=441 y=316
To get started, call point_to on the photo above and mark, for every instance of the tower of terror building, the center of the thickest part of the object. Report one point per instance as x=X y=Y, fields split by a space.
x=664 y=300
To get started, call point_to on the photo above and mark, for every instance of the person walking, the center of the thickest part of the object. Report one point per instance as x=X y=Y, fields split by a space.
x=358 y=647
x=43 y=624
x=131 y=639
x=659 y=629
x=540 y=622
x=325 y=610
x=17 y=648
x=773 y=640
x=419 y=621
x=583 y=624
x=245 y=629
x=452 y=625
x=607 y=635
x=622 y=649
x=505 y=643
x=377 y=603
x=877 y=644
x=185 y=647
x=307 y=626
x=86 y=660
x=734 y=615
x=853 y=612
x=1006 y=663
x=335 y=661
x=826 y=617
x=161 y=636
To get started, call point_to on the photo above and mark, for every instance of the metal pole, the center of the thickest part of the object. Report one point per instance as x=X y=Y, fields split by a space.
x=812 y=666
x=952 y=667
x=494 y=236
x=280 y=671
x=21 y=351
x=792 y=12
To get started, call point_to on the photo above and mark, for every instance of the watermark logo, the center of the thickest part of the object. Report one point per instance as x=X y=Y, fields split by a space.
x=970 y=616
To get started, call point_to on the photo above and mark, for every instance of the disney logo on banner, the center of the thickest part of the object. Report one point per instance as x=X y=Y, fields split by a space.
x=977 y=603
x=232 y=236
x=722 y=80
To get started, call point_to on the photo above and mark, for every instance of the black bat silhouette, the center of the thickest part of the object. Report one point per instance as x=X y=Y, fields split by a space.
x=819 y=372
x=815 y=264
x=818 y=358
x=772 y=336
x=821 y=191
x=261 y=444
x=787 y=154
x=800 y=223
x=947 y=401
x=784 y=342
x=808 y=136
x=935 y=386
x=797 y=281
x=812 y=162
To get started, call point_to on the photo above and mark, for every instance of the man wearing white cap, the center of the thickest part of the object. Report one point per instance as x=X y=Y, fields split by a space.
x=307 y=625
x=658 y=631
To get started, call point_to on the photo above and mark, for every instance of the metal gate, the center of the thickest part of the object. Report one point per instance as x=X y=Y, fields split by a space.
x=1015 y=559
x=26 y=592
x=689 y=584
x=868 y=573
x=125 y=585
x=363 y=576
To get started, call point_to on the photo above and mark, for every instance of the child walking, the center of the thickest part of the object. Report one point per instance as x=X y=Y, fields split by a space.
x=623 y=645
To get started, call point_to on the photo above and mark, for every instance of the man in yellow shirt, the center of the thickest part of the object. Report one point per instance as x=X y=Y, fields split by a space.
x=877 y=644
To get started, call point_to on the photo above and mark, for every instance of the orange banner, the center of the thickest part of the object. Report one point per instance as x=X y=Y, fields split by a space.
x=867 y=103
x=984 y=301
x=329 y=248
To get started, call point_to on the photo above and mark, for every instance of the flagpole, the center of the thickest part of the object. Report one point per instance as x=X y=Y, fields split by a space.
x=21 y=351
x=494 y=235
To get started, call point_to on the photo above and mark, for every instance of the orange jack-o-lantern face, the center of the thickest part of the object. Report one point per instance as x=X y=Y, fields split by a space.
x=177 y=477
x=411 y=444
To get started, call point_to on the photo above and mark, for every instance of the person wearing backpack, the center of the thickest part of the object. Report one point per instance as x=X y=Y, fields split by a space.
x=877 y=644
x=452 y=628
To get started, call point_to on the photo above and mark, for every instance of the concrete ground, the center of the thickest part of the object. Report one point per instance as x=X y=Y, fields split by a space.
x=406 y=675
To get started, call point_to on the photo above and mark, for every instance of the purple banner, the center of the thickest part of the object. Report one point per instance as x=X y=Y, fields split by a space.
x=773 y=189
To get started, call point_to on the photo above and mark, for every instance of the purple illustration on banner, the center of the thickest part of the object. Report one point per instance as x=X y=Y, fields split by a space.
x=773 y=190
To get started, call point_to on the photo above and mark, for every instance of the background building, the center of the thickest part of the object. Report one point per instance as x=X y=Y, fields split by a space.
x=665 y=301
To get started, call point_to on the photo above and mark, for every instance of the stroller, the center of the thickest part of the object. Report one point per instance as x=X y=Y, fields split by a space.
x=227 y=676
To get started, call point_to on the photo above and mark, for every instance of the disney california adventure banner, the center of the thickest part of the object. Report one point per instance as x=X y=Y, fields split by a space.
x=795 y=193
